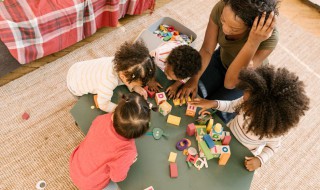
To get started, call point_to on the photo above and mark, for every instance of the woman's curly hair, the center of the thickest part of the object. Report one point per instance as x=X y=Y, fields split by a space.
x=185 y=61
x=134 y=60
x=248 y=10
x=276 y=102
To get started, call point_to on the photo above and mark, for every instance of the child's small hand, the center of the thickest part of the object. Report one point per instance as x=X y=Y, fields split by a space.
x=154 y=86
x=172 y=90
x=252 y=163
x=141 y=91
x=204 y=104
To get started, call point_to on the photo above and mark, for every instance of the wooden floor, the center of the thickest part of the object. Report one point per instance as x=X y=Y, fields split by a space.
x=300 y=12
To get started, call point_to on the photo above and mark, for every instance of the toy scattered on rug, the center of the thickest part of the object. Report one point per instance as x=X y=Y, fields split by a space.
x=173 y=165
x=157 y=133
x=166 y=33
x=149 y=188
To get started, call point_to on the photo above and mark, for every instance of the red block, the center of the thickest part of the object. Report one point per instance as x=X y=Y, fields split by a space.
x=192 y=159
x=191 y=129
x=173 y=170
x=226 y=140
x=25 y=116
x=150 y=93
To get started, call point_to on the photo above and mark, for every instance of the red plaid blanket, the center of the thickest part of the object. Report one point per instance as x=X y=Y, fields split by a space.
x=33 y=29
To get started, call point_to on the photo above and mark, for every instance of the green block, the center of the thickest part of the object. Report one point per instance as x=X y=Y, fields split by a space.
x=206 y=150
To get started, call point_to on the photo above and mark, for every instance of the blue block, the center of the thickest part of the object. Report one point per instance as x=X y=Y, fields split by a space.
x=208 y=140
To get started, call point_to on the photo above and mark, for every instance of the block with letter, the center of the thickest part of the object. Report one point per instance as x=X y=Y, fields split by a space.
x=173 y=170
x=226 y=140
x=215 y=151
x=201 y=130
x=165 y=108
x=177 y=101
x=191 y=110
x=160 y=97
x=175 y=120
x=225 y=154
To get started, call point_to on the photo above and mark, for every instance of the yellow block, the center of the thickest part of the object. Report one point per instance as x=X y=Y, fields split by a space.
x=172 y=157
x=175 y=120
x=209 y=125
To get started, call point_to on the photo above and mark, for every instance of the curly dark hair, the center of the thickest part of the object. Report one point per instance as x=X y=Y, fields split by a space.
x=185 y=61
x=135 y=61
x=248 y=10
x=132 y=116
x=276 y=102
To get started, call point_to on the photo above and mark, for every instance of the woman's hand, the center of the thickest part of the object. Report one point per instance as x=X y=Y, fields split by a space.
x=262 y=29
x=141 y=91
x=252 y=163
x=204 y=104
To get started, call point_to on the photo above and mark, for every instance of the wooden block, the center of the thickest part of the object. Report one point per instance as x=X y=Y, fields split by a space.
x=172 y=157
x=191 y=158
x=191 y=110
x=225 y=155
x=165 y=108
x=215 y=151
x=173 y=170
x=160 y=97
x=208 y=141
x=150 y=93
x=201 y=130
x=206 y=150
x=95 y=99
x=177 y=101
x=209 y=125
x=25 y=116
x=226 y=140
x=191 y=129
x=175 y=120
x=200 y=162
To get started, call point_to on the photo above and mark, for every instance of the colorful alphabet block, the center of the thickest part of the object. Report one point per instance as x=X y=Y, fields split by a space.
x=225 y=155
x=165 y=108
x=160 y=97
x=191 y=110
x=215 y=151
x=175 y=120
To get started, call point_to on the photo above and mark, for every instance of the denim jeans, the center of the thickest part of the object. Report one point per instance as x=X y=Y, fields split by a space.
x=211 y=84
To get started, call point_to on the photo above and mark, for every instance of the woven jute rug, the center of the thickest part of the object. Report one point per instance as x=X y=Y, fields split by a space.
x=39 y=148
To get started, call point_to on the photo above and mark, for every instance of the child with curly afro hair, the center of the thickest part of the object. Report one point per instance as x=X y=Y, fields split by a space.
x=274 y=101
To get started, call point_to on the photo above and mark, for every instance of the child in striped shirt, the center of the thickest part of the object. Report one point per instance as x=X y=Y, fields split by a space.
x=178 y=61
x=273 y=102
x=131 y=66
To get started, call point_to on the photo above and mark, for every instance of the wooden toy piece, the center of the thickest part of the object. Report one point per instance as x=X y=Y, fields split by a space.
x=226 y=140
x=165 y=108
x=160 y=97
x=225 y=155
x=208 y=141
x=192 y=151
x=217 y=129
x=184 y=100
x=149 y=188
x=189 y=164
x=172 y=157
x=206 y=150
x=95 y=99
x=177 y=101
x=150 y=93
x=215 y=151
x=173 y=170
x=200 y=162
x=191 y=129
x=25 y=116
x=175 y=120
x=201 y=130
x=191 y=110
x=209 y=125
x=191 y=158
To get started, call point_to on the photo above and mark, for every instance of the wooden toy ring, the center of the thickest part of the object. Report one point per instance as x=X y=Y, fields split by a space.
x=184 y=145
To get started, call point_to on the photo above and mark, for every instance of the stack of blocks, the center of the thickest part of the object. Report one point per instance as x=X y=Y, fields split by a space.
x=160 y=97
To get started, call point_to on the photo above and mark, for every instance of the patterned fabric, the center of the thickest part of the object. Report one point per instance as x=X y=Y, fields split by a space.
x=33 y=29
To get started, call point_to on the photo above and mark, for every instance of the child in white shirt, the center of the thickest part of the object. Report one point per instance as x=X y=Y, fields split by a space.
x=131 y=66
